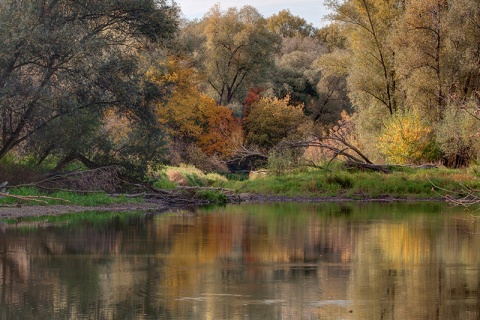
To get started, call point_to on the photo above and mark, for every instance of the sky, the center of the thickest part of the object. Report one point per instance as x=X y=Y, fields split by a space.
x=311 y=10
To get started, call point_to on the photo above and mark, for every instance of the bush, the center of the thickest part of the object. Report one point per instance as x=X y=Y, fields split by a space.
x=406 y=139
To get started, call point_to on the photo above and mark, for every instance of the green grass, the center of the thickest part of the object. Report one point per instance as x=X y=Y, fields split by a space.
x=401 y=183
x=164 y=183
x=213 y=197
x=82 y=199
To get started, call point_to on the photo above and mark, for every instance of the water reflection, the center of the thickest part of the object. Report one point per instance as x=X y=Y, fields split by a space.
x=276 y=261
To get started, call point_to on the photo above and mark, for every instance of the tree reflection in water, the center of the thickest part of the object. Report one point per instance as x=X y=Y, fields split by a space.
x=272 y=261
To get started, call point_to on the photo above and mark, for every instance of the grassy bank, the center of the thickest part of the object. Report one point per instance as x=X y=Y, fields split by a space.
x=403 y=182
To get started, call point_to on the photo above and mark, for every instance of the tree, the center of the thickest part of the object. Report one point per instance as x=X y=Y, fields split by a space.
x=295 y=73
x=238 y=51
x=189 y=116
x=288 y=25
x=271 y=120
x=333 y=36
x=421 y=58
x=332 y=87
x=372 y=78
x=303 y=74
x=59 y=57
x=464 y=47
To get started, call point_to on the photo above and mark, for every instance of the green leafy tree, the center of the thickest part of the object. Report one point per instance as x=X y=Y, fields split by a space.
x=295 y=74
x=238 y=51
x=59 y=57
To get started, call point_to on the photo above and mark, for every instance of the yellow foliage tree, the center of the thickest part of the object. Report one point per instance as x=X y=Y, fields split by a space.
x=406 y=138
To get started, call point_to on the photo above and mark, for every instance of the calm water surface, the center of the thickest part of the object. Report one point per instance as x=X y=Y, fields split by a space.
x=261 y=261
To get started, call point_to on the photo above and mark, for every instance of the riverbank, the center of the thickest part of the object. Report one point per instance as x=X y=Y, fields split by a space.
x=402 y=184
x=159 y=206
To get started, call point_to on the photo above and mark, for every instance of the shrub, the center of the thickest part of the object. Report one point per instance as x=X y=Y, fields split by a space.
x=406 y=139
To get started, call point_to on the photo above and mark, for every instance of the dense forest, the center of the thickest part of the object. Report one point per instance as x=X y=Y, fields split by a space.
x=131 y=83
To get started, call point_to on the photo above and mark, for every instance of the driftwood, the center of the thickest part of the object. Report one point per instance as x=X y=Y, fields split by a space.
x=368 y=166
x=463 y=197
x=181 y=196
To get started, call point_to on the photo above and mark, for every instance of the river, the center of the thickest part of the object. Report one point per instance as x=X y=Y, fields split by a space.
x=249 y=261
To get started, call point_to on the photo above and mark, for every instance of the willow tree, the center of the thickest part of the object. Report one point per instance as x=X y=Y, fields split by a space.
x=372 y=80
x=238 y=51
x=59 y=57
x=420 y=39
x=464 y=45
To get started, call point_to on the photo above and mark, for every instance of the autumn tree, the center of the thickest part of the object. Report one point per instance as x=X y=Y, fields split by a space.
x=60 y=57
x=464 y=47
x=420 y=40
x=189 y=116
x=333 y=36
x=238 y=51
x=372 y=77
x=288 y=25
x=271 y=120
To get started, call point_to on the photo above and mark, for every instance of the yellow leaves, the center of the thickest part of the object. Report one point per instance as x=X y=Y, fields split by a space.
x=405 y=138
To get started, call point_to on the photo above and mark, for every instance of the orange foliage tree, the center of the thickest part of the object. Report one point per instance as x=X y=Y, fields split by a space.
x=189 y=115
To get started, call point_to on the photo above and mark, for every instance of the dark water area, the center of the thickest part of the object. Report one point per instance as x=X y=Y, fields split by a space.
x=256 y=261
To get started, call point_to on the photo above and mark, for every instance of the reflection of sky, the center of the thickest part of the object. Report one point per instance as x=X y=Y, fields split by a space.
x=311 y=10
